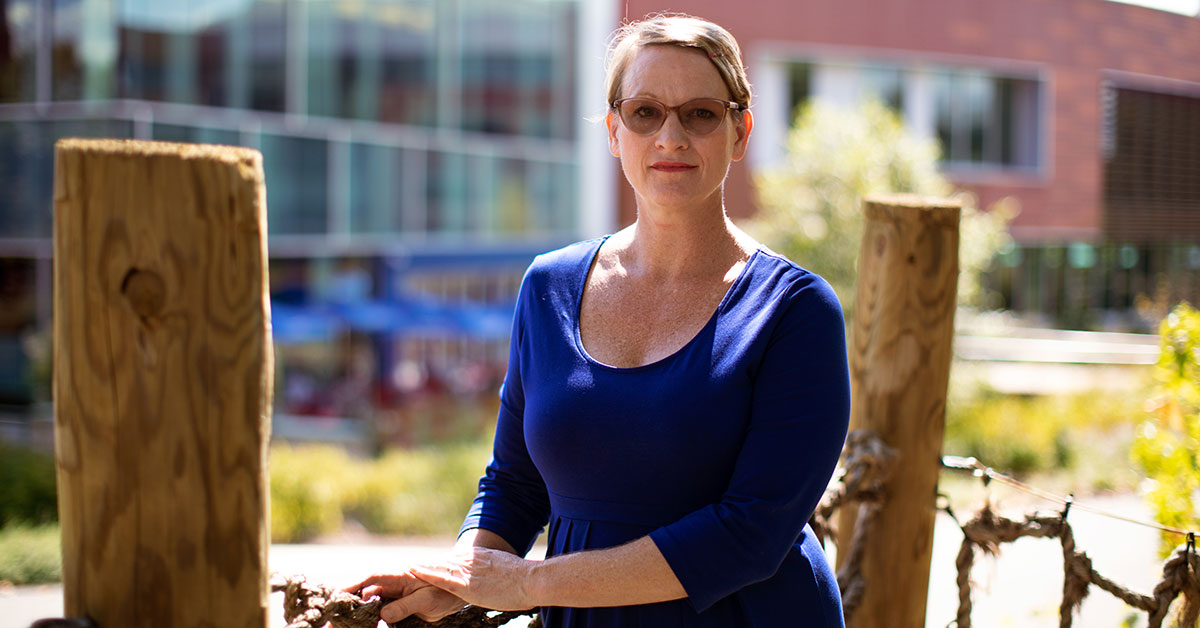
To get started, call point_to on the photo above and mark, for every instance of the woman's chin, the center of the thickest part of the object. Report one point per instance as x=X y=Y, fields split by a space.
x=682 y=199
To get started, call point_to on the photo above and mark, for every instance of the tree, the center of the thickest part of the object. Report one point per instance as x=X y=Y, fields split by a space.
x=811 y=204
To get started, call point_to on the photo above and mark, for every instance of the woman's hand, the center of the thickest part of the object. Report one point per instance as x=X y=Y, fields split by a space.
x=490 y=578
x=414 y=597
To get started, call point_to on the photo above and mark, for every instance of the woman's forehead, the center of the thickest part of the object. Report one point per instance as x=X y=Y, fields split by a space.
x=665 y=70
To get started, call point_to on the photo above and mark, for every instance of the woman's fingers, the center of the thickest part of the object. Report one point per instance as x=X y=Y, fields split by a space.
x=488 y=578
x=413 y=597
x=444 y=577
x=428 y=603
x=386 y=585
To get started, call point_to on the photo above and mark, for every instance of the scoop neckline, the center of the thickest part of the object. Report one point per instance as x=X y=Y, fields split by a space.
x=582 y=285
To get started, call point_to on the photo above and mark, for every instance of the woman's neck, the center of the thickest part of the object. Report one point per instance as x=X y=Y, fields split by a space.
x=683 y=245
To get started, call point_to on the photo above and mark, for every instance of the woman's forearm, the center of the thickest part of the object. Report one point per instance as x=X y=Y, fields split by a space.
x=485 y=571
x=634 y=573
x=478 y=537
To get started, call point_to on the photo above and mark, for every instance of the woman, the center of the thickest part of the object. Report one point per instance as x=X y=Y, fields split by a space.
x=676 y=398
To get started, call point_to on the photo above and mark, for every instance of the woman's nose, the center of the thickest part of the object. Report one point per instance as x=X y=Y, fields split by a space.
x=671 y=135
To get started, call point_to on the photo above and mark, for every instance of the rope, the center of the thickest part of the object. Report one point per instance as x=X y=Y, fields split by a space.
x=988 y=531
x=313 y=606
x=988 y=474
x=862 y=477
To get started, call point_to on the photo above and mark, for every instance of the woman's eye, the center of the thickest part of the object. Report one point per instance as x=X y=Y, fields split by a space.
x=703 y=114
x=646 y=112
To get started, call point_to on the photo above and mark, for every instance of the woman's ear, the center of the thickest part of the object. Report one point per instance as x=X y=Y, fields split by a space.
x=610 y=121
x=742 y=128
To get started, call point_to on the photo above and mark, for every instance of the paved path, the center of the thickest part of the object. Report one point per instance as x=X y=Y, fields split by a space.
x=1020 y=588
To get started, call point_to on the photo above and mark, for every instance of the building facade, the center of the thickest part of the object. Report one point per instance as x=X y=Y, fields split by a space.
x=420 y=152
x=1087 y=112
x=417 y=154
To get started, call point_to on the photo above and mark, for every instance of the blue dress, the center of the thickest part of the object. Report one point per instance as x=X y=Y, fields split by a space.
x=720 y=451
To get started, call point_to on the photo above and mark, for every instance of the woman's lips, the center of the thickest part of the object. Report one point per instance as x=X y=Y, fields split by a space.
x=671 y=166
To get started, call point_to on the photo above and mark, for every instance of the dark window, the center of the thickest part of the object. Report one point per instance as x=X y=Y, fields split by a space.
x=18 y=38
x=1152 y=167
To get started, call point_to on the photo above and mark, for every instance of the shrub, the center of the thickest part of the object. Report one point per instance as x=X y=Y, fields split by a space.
x=307 y=485
x=1167 y=447
x=420 y=491
x=27 y=487
x=1023 y=434
x=314 y=489
x=30 y=554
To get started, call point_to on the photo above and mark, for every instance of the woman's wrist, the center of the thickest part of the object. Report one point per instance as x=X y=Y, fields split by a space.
x=535 y=584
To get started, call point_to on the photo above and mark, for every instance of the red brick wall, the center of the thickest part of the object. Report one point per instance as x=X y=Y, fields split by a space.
x=1074 y=40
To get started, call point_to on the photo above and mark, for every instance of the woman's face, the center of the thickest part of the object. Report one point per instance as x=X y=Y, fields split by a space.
x=671 y=168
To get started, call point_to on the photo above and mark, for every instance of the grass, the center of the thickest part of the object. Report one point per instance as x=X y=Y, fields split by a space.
x=30 y=554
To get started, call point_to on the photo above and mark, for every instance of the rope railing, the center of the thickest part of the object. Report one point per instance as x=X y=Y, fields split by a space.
x=863 y=475
x=987 y=531
x=861 y=480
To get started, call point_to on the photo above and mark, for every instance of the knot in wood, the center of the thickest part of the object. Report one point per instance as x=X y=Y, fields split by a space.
x=63 y=623
x=146 y=292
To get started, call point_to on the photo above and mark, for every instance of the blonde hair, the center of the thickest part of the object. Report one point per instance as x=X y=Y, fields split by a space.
x=685 y=31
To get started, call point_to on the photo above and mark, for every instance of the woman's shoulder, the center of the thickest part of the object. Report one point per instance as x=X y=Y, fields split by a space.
x=570 y=255
x=783 y=279
x=564 y=266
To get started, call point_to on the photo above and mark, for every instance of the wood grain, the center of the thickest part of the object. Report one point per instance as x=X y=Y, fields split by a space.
x=900 y=352
x=162 y=383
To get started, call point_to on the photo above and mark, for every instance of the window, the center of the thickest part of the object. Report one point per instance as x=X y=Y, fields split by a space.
x=979 y=118
x=986 y=120
x=376 y=178
x=27 y=169
x=18 y=34
x=371 y=60
x=517 y=66
x=1152 y=166
x=296 y=172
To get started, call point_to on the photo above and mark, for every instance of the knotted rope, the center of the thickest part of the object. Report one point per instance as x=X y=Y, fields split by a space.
x=988 y=531
x=862 y=477
x=314 y=606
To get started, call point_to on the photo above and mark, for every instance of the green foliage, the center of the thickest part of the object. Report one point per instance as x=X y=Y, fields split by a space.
x=27 y=488
x=30 y=554
x=811 y=205
x=307 y=491
x=421 y=491
x=314 y=489
x=1167 y=447
x=1024 y=434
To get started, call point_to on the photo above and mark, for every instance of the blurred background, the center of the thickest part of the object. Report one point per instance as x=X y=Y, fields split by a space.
x=419 y=153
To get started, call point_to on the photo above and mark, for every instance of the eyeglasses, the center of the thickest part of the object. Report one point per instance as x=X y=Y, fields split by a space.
x=699 y=116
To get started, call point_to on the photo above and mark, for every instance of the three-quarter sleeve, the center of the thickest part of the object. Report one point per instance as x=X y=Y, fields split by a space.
x=799 y=416
x=512 y=499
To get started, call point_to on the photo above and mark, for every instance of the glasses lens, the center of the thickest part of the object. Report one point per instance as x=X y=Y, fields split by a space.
x=701 y=117
x=643 y=116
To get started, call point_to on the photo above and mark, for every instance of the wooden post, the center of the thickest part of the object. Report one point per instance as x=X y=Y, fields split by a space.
x=162 y=383
x=900 y=353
